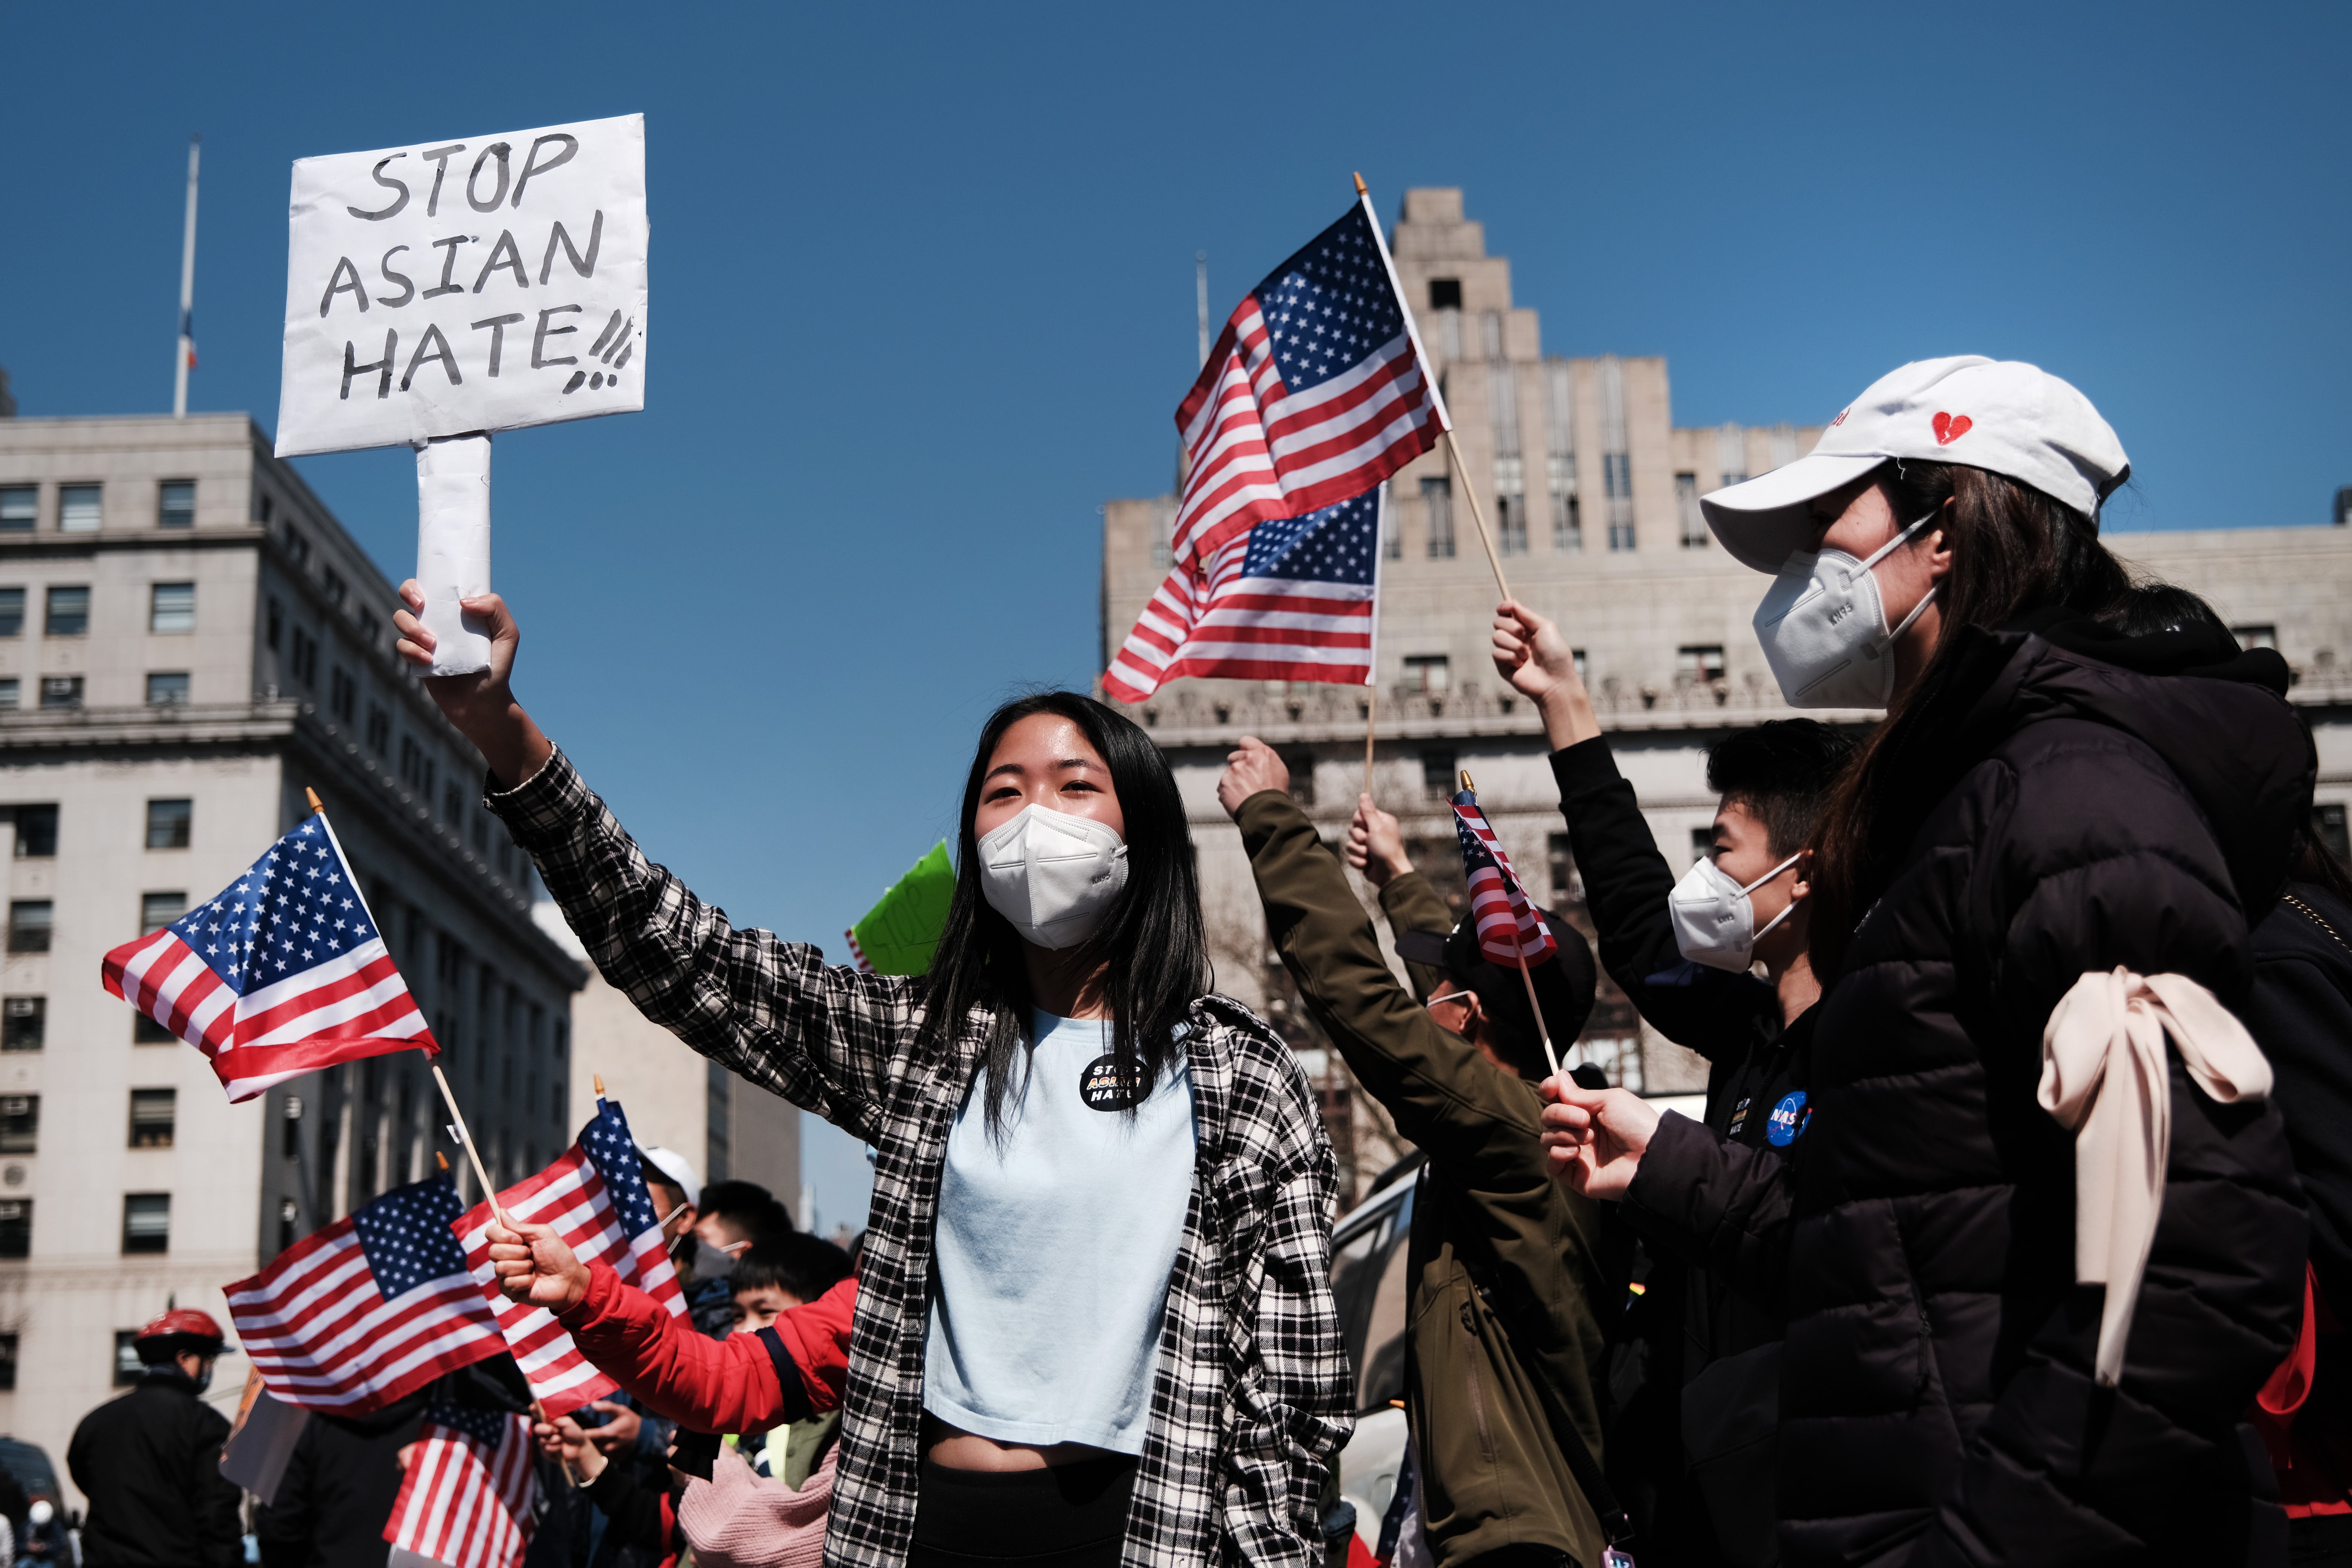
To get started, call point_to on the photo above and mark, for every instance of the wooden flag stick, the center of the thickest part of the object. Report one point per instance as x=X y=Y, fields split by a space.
x=1551 y=1056
x=598 y=1079
x=312 y=796
x=1361 y=190
x=1372 y=723
x=1478 y=514
x=441 y=1160
x=489 y=1191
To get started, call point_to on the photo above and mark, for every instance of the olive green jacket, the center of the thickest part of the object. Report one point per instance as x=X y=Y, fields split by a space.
x=1504 y=1262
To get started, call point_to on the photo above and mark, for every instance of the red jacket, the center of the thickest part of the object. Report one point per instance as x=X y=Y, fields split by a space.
x=744 y=1382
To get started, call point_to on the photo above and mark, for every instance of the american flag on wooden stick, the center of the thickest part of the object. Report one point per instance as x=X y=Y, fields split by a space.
x=595 y=1197
x=468 y=1498
x=284 y=973
x=374 y=1307
x=1293 y=599
x=1315 y=391
x=1510 y=928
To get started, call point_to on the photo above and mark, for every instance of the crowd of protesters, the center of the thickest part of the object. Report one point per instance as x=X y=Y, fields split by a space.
x=2009 y=1233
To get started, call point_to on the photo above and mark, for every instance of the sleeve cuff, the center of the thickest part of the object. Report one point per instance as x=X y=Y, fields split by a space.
x=1264 y=812
x=1587 y=765
x=1402 y=892
x=602 y=1286
x=1651 y=1195
x=544 y=806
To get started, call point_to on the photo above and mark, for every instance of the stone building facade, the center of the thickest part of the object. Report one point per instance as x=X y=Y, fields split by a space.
x=1592 y=492
x=188 y=641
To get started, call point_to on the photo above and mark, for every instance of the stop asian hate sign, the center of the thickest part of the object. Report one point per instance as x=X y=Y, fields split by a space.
x=454 y=287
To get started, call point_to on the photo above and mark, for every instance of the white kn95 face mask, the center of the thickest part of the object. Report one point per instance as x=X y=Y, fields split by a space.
x=1824 y=627
x=1053 y=876
x=1715 y=920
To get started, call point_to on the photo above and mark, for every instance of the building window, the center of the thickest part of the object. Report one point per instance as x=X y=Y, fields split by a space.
x=289 y=1214
x=128 y=1370
x=157 y=911
x=1563 y=869
x=176 y=504
x=152 y=1113
x=378 y=729
x=7 y=1362
x=342 y=693
x=1577 y=655
x=296 y=547
x=19 y=506
x=2327 y=826
x=1730 y=478
x=61 y=691
x=23 y=1023
x=1426 y=673
x=416 y=768
x=171 y=608
x=30 y=921
x=331 y=581
x=68 y=613
x=1566 y=523
x=1698 y=664
x=17 y=1228
x=11 y=612
x=277 y=626
x=1445 y=293
x=146 y=1031
x=167 y=688
x=147 y=1222
x=1686 y=503
x=1437 y=774
x=1437 y=517
x=306 y=658
x=1391 y=542
x=370 y=629
x=1511 y=524
x=168 y=822
x=2256 y=636
x=77 y=509
x=20 y=1123
x=8 y=693
x=1617 y=484
x=37 y=832
x=453 y=806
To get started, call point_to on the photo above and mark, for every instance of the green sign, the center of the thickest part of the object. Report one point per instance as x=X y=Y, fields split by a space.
x=899 y=935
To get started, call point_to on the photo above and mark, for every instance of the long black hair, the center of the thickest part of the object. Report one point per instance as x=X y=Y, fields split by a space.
x=1152 y=945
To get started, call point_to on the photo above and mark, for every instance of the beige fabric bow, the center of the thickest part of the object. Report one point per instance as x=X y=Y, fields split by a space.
x=2103 y=1076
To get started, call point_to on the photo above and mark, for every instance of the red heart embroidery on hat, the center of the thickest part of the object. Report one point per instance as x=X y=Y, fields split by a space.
x=1949 y=429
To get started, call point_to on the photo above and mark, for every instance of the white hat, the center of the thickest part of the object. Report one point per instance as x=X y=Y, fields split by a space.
x=676 y=1170
x=2002 y=415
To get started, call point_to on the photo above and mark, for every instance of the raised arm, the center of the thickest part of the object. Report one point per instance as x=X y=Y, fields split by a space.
x=1626 y=881
x=824 y=1036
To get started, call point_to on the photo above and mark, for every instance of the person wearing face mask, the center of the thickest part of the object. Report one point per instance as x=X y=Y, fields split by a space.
x=1683 y=952
x=2025 y=1315
x=1094 y=1312
x=1510 y=1275
x=149 y=1461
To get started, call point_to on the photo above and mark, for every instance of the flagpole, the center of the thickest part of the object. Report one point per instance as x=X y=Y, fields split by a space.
x=1551 y=1056
x=1478 y=514
x=187 y=293
x=1372 y=662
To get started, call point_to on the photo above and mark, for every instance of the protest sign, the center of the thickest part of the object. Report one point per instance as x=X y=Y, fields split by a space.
x=464 y=286
x=899 y=935
x=439 y=292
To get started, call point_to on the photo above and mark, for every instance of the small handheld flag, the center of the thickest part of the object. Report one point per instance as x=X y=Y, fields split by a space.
x=899 y=935
x=283 y=972
x=1510 y=928
x=469 y=1498
x=370 y=1308
x=1291 y=599
x=595 y=1197
x=1315 y=391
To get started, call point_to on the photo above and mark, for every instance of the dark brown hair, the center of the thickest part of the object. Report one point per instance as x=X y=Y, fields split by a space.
x=2014 y=549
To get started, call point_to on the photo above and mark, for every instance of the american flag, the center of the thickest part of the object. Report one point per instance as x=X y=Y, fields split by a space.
x=1511 y=929
x=376 y=1305
x=468 y=1498
x=283 y=974
x=1293 y=599
x=1317 y=391
x=595 y=1197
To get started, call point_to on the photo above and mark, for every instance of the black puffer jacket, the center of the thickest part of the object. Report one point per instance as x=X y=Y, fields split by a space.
x=2044 y=810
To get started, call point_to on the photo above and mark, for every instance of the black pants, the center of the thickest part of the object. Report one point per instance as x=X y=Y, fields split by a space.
x=1068 y=1516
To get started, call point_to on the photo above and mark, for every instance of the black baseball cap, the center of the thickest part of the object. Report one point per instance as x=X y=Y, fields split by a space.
x=1565 y=983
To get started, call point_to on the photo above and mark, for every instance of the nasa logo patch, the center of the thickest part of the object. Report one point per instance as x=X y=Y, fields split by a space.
x=1105 y=1088
x=1788 y=1120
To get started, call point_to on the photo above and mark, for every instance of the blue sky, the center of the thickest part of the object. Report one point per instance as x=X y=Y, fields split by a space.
x=923 y=280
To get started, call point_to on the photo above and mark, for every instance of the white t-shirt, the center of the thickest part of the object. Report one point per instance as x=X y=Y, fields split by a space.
x=1054 y=1246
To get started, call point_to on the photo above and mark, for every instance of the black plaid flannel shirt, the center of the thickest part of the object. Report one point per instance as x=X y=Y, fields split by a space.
x=1251 y=1396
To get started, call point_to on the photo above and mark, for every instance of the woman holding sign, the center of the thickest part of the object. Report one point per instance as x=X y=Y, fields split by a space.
x=1095 y=1319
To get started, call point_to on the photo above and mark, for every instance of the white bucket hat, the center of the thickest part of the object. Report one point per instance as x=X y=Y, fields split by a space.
x=2002 y=415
